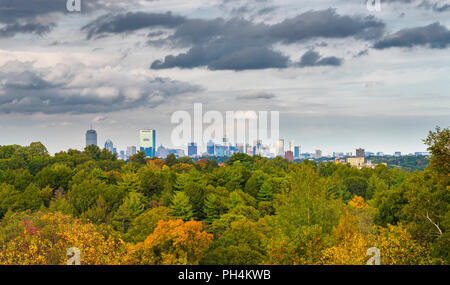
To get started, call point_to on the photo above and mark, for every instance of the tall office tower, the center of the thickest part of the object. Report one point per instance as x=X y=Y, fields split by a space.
x=297 y=152
x=280 y=147
x=291 y=146
x=289 y=155
x=210 y=148
x=131 y=150
x=91 y=137
x=109 y=145
x=192 y=149
x=122 y=155
x=360 y=152
x=148 y=142
x=318 y=153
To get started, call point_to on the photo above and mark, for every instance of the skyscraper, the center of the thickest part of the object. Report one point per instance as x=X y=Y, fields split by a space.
x=291 y=146
x=280 y=147
x=91 y=137
x=109 y=145
x=131 y=150
x=148 y=142
x=192 y=149
x=297 y=152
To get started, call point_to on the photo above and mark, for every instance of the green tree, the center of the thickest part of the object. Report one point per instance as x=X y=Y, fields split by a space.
x=181 y=207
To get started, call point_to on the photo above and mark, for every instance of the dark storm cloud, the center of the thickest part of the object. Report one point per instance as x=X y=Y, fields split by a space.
x=26 y=90
x=312 y=58
x=238 y=44
x=434 y=36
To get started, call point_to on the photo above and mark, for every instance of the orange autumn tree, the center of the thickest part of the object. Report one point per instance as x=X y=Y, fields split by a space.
x=173 y=242
x=43 y=239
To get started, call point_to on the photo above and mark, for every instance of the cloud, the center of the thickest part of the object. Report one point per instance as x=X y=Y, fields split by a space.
x=313 y=58
x=256 y=96
x=434 y=36
x=130 y=21
x=63 y=89
x=224 y=56
x=236 y=43
x=41 y=16
x=434 y=5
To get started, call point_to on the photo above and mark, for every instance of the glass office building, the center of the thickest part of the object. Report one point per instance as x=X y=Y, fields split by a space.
x=147 y=140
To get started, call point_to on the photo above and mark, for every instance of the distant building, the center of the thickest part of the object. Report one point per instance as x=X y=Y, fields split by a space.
x=279 y=148
x=210 y=148
x=291 y=146
x=357 y=162
x=192 y=149
x=318 y=153
x=289 y=155
x=221 y=151
x=91 y=137
x=122 y=155
x=131 y=150
x=109 y=145
x=148 y=142
x=297 y=152
x=360 y=152
x=397 y=154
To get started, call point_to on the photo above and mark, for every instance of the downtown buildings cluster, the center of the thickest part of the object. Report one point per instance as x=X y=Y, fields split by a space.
x=291 y=152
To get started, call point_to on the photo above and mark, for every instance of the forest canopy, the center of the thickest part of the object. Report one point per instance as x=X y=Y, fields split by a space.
x=251 y=210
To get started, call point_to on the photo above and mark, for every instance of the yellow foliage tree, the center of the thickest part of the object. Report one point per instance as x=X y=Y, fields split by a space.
x=43 y=239
x=173 y=242
x=358 y=202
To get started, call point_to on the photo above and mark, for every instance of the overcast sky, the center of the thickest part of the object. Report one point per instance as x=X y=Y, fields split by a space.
x=341 y=76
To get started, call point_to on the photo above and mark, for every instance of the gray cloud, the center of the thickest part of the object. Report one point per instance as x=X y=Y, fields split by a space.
x=238 y=44
x=435 y=6
x=131 y=21
x=313 y=58
x=434 y=36
x=11 y=30
x=41 y=16
x=225 y=56
x=26 y=90
x=256 y=96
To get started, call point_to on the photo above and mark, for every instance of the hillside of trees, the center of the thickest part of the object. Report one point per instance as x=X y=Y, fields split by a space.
x=252 y=210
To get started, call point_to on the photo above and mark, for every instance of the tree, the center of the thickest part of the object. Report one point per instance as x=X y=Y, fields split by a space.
x=171 y=160
x=181 y=207
x=144 y=224
x=439 y=145
x=242 y=244
x=173 y=242
x=266 y=193
x=43 y=239
x=133 y=206
x=356 y=185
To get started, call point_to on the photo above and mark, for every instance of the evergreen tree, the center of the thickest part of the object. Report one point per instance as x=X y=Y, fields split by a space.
x=265 y=193
x=181 y=207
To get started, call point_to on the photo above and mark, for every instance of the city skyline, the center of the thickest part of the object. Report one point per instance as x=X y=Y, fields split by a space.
x=290 y=152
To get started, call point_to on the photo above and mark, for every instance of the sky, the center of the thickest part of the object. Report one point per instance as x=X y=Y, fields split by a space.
x=341 y=75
